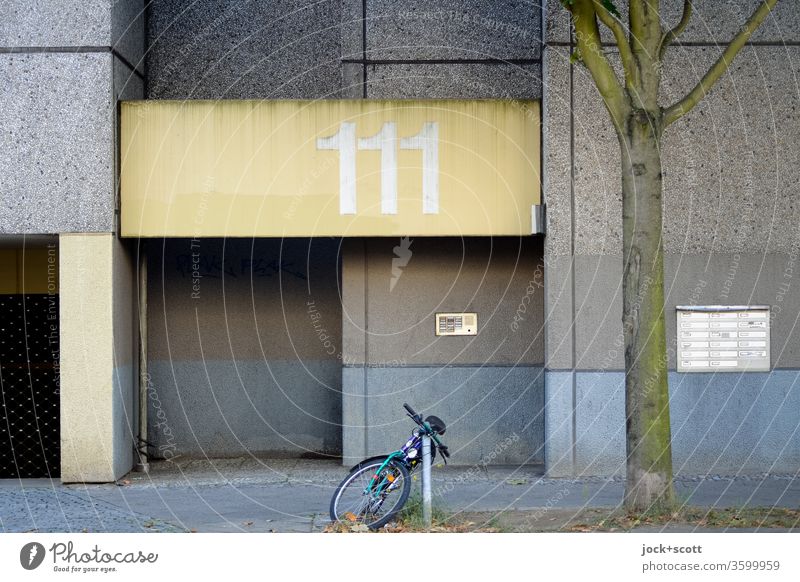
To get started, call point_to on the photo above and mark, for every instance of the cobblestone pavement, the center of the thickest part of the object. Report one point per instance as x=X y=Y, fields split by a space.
x=39 y=505
x=293 y=496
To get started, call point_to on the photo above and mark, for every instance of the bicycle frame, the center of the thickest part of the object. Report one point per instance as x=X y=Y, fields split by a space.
x=413 y=443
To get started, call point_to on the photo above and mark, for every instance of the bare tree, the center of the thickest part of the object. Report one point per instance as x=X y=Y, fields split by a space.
x=639 y=121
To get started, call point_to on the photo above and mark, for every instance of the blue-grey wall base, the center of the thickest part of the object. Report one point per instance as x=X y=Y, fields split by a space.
x=495 y=414
x=722 y=424
x=228 y=409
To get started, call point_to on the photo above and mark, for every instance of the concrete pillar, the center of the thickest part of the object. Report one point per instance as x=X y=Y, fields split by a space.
x=97 y=358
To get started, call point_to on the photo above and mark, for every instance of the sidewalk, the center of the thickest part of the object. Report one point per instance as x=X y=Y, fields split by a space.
x=293 y=496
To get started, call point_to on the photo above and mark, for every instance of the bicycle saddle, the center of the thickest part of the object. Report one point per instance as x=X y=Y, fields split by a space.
x=437 y=424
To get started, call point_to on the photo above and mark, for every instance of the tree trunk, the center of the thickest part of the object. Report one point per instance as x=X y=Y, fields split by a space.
x=649 y=453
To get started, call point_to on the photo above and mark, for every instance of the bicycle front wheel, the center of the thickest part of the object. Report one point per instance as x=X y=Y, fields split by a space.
x=370 y=495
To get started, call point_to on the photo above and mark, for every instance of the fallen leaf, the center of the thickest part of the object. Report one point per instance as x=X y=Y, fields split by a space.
x=516 y=481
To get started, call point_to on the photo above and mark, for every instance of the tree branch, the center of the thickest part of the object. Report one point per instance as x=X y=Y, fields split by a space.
x=682 y=107
x=587 y=36
x=669 y=37
x=625 y=52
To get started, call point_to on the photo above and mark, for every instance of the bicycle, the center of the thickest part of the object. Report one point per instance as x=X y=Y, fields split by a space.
x=378 y=487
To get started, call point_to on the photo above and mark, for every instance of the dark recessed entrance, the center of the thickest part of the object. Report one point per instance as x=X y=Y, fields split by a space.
x=29 y=357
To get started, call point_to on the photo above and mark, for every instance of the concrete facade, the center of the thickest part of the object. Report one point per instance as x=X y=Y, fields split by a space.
x=98 y=397
x=488 y=387
x=211 y=50
x=63 y=66
x=244 y=347
x=731 y=237
x=272 y=386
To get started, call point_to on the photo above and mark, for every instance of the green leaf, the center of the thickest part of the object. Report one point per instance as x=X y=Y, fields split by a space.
x=609 y=5
x=575 y=56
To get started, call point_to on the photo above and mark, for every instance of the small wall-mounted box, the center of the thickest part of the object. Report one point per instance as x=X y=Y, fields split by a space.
x=456 y=324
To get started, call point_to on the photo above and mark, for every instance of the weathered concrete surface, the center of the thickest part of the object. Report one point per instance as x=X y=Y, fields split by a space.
x=96 y=358
x=245 y=347
x=442 y=29
x=487 y=387
x=494 y=414
x=214 y=49
x=454 y=81
x=730 y=424
x=56 y=160
x=713 y=21
x=293 y=496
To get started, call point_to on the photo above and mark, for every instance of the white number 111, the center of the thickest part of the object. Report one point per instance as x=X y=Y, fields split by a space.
x=344 y=140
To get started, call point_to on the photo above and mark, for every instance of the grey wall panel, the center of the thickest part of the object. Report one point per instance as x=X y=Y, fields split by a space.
x=352 y=29
x=127 y=84
x=736 y=424
x=725 y=424
x=354 y=415
x=730 y=176
x=55 y=23
x=739 y=279
x=456 y=81
x=558 y=423
x=263 y=319
x=599 y=342
x=483 y=407
x=56 y=160
x=229 y=408
x=128 y=30
x=354 y=308
x=557 y=151
x=713 y=21
x=498 y=278
x=213 y=49
x=441 y=29
x=711 y=279
x=558 y=309
x=599 y=423
x=556 y=22
x=244 y=298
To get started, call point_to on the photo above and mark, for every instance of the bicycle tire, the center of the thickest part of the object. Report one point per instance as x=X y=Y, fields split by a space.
x=354 y=483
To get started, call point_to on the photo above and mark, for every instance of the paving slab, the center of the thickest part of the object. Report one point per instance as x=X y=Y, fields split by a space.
x=292 y=495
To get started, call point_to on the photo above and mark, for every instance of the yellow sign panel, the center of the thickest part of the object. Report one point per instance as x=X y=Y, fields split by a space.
x=328 y=168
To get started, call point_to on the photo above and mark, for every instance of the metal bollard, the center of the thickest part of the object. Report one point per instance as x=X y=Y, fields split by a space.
x=426 y=481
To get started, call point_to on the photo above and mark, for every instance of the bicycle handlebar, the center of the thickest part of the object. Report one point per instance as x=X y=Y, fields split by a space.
x=409 y=410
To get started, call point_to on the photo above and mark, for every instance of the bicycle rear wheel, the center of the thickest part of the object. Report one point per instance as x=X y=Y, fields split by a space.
x=353 y=503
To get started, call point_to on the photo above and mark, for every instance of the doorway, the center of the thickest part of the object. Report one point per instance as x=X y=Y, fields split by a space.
x=30 y=439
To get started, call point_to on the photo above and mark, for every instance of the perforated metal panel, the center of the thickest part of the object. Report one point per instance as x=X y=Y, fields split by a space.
x=29 y=394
